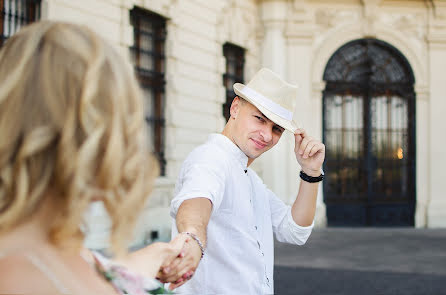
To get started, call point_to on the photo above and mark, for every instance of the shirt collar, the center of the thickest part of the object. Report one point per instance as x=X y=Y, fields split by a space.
x=230 y=147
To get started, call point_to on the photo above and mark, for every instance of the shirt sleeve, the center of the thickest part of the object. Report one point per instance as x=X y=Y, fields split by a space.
x=200 y=179
x=284 y=227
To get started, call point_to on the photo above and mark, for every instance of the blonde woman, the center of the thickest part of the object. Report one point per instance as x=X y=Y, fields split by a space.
x=72 y=132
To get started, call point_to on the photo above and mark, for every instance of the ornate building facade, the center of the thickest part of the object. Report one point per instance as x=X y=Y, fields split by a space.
x=371 y=86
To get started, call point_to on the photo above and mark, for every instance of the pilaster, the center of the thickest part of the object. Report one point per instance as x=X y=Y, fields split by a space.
x=275 y=162
x=437 y=104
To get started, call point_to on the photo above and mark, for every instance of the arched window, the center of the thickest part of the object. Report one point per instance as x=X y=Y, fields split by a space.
x=369 y=131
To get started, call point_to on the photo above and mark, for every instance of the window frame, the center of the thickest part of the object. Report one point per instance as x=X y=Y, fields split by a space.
x=154 y=79
x=235 y=59
x=18 y=19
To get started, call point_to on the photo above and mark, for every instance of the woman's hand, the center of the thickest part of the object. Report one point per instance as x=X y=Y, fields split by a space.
x=149 y=260
x=181 y=269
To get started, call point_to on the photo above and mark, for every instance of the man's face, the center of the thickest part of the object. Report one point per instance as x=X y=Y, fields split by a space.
x=253 y=133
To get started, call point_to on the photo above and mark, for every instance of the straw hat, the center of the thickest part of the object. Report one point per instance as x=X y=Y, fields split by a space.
x=274 y=97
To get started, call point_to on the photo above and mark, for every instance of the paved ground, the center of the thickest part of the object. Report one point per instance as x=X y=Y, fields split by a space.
x=364 y=261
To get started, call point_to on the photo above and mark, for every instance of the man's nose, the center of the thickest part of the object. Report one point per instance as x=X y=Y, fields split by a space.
x=267 y=133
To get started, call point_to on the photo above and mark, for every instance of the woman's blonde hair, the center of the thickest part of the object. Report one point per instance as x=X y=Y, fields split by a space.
x=71 y=123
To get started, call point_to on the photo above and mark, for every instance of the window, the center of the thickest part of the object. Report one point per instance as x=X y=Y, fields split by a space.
x=235 y=62
x=16 y=14
x=149 y=31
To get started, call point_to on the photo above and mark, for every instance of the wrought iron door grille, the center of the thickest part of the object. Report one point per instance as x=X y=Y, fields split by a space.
x=235 y=63
x=369 y=130
x=149 y=31
x=16 y=14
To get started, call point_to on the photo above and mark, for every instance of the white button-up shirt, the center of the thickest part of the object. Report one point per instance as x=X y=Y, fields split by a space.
x=239 y=257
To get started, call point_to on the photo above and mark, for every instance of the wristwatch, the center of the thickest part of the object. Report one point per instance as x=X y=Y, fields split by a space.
x=311 y=179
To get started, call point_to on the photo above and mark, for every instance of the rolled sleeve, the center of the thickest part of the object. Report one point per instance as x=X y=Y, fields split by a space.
x=199 y=180
x=177 y=201
x=298 y=234
x=285 y=229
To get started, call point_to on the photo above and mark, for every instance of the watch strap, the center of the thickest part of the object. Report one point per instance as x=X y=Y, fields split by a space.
x=311 y=179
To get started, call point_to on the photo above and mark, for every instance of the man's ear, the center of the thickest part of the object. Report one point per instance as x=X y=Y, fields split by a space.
x=235 y=107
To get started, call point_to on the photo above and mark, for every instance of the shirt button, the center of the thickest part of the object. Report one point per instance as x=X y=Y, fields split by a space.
x=255 y=227
x=263 y=254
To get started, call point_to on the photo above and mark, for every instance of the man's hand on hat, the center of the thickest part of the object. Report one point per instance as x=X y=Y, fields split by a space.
x=310 y=153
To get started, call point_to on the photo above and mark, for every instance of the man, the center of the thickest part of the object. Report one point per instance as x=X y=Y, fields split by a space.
x=224 y=206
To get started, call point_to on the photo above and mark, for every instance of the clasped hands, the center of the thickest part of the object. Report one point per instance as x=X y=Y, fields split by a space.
x=174 y=262
x=181 y=269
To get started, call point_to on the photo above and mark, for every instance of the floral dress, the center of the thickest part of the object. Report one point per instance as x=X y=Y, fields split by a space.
x=125 y=281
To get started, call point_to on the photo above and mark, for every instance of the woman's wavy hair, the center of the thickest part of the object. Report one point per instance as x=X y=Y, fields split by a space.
x=71 y=124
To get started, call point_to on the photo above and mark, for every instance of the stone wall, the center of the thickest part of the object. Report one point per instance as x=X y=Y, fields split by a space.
x=295 y=38
x=196 y=32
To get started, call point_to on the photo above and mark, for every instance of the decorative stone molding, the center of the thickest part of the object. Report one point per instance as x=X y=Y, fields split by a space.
x=422 y=92
x=317 y=89
x=239 y=23
x=326 y=19
x=342 y=34
x=300 y=12
x=300 y=24
x=273 y=14
x=167 y=6
x=437 y=24
x=370 y=12
x=237 y=26
x=161 y=7
x=411 y=24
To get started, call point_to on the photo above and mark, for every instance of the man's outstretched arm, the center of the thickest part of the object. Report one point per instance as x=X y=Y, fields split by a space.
x=192 y=217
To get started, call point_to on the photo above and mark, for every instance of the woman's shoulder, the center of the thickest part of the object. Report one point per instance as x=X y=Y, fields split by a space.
x=19 y=275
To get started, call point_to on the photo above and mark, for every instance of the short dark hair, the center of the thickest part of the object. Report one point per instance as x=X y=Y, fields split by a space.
x=242 y=100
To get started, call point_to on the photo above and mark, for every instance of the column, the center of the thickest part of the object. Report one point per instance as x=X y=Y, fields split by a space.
x=275 y=161
x=436 y=216
x=299 y=36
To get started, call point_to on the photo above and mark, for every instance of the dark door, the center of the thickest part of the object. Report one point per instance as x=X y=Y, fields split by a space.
x=369 y=131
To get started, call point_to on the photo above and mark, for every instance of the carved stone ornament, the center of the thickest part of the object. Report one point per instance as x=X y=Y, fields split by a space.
x=299 y=21
x=437 y=22
x=238 y=26
x=370 y=16
x=411 y=24
x=328 y=18
x=300 y=6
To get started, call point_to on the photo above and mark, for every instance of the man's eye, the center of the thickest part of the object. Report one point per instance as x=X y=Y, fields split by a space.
x=278 y=129
x=259 y=118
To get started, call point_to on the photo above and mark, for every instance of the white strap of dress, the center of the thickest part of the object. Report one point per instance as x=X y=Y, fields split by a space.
x=45 y=270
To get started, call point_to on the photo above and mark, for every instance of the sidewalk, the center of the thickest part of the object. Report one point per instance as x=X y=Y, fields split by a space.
x=364 y=261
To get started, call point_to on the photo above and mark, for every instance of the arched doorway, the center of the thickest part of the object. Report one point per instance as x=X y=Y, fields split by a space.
x=369 y=131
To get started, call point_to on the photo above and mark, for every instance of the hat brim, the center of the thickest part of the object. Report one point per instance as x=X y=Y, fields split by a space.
x=282 y=122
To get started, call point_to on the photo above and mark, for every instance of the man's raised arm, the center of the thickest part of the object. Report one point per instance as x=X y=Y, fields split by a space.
x=310 y=155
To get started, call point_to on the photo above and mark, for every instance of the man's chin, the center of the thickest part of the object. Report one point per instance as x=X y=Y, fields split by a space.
x=253 y=152
x=254 y=155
